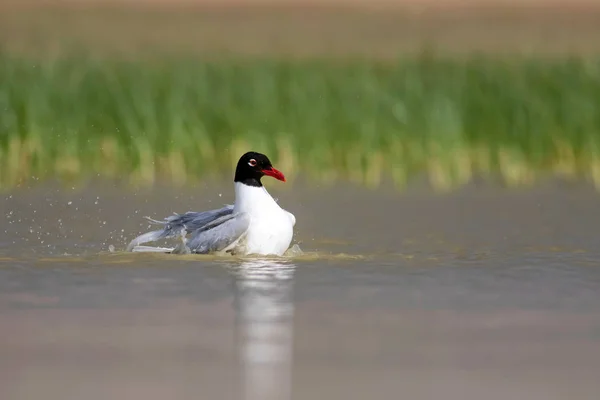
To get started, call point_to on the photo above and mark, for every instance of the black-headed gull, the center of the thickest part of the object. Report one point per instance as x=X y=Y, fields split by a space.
x=255 y=224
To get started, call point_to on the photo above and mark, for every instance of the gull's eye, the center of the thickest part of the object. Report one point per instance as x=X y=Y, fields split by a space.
x=252 y=162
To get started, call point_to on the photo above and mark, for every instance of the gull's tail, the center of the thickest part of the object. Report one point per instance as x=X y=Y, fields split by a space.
x=151 y=249
x=152 y=236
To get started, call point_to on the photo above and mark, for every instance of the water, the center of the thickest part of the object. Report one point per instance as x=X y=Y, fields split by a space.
x=482 y=293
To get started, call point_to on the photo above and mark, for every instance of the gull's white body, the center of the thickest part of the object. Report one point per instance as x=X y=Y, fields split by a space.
x=255 y=225
x=270 y=229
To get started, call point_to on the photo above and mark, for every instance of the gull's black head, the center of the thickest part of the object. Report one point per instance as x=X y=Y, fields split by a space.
x=252 y=166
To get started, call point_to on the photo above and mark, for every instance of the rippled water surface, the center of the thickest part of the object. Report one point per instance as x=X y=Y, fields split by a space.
x=482 y=293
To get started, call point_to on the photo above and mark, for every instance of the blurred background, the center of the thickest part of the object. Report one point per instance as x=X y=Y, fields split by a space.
x=443 y=161
x=450 y=91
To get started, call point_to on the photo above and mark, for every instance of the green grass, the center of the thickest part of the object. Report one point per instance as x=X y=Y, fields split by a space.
x=181 y=119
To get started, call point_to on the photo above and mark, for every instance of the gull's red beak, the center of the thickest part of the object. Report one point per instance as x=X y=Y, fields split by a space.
x=270 y=171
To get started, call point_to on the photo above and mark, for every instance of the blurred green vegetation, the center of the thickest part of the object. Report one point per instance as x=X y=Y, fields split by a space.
x=184 y=119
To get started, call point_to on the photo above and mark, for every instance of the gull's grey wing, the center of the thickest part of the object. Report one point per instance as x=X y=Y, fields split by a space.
x=193 y=220
x=180 y=224
x=219 y=234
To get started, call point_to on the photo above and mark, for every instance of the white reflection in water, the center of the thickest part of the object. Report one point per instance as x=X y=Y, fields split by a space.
x=265 y=328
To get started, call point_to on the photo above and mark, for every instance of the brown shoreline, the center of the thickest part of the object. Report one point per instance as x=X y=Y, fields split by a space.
x=409 y=6
x=380 y=29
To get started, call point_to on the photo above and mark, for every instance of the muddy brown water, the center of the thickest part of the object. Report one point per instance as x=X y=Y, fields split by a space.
x=481 y=293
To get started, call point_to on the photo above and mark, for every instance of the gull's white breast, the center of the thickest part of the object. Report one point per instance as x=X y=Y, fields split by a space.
x=271 y=227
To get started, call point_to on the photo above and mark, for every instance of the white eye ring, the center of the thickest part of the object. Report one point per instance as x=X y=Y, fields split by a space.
x=252 y=162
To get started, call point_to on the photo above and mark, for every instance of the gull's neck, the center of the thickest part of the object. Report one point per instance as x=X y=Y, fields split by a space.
x=252 y=199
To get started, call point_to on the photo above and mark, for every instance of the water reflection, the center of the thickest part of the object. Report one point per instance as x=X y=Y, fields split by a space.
x=265 y=313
